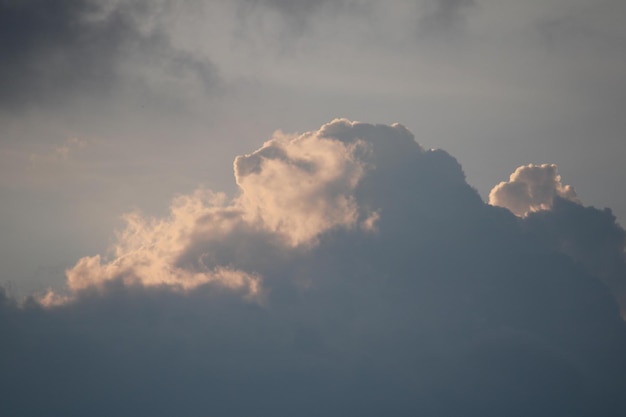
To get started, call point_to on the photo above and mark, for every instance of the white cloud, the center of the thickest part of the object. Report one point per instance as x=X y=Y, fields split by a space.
x=301 y=186
x=531 y=188
x=147 y=251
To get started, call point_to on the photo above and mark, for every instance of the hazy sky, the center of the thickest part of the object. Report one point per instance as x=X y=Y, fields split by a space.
x=166 y=161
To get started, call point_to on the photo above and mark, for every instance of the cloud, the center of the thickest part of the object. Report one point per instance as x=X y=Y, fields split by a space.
x=293 y=189
x=148 y=250
x=531 y=188
x=56 y=51
x=589 y=236
x=296 y=7
x=444 y=17
x=301 y=187
x=355 y=273
x=553 y=215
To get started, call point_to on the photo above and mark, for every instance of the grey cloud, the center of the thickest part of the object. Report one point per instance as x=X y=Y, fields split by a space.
x=285 y=23
x=444 y=17
x=448 y=307
x=301 y=10
x=585 y=25
x=589 y=236
x=53 y=51
x=293 y=7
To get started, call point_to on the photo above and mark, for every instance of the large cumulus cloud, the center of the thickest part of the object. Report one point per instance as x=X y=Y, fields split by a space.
x=356 y=273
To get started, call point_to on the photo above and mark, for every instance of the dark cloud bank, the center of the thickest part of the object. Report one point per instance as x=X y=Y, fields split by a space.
x=394 y=291
x=54 y=51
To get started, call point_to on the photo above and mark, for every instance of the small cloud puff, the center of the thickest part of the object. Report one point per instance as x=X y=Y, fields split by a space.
x=531 y=188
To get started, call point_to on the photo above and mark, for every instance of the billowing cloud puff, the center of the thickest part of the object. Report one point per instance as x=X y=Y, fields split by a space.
x=293 y=189
x=531 y=188
x=148 y=249
x=355 y=273
x=300 y=187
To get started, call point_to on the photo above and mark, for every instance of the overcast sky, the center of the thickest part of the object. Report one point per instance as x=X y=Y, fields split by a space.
x=165 y=158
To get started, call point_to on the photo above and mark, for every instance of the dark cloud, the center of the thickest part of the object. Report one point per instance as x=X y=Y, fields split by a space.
x=394 y=290
x=589 y=236
x=284 y=22
x=53 y=51
x=444 y=17
x=293 y=7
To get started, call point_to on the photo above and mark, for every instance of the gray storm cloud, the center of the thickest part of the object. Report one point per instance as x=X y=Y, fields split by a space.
x=56 y=51
x=355 y=273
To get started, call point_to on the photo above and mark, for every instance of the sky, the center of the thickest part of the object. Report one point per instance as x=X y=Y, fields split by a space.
x=279 y=207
